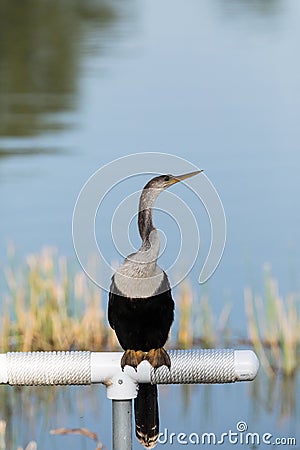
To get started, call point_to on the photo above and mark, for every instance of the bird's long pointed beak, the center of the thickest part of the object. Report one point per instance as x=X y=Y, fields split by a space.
x=178 y=178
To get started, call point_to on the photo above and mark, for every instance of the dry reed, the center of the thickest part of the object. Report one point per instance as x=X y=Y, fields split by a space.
x=274 y=327
x=46 y=308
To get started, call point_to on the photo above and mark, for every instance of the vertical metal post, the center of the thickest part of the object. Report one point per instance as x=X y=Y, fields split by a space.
x=122 y=424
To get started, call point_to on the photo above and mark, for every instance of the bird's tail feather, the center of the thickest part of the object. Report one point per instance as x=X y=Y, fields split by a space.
x=146 y=415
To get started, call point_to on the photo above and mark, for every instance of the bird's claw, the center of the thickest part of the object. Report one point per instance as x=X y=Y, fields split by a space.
x=132 y=358
x=158 y=357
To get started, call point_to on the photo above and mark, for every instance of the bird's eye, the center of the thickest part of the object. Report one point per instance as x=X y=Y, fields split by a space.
x=167 y=178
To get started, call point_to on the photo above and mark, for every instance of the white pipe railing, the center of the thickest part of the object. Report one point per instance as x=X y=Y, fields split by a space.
x=83 y=367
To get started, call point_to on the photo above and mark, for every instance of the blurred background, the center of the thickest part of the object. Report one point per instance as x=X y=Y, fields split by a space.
x=217 y=83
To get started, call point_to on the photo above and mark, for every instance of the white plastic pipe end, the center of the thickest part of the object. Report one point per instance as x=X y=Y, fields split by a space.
x=246 y=365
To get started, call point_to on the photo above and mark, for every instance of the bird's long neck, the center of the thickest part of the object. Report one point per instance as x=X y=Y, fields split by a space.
x=139 y=276
x=145 y=219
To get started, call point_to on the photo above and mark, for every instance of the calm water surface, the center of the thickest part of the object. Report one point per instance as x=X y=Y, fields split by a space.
x=217 y=83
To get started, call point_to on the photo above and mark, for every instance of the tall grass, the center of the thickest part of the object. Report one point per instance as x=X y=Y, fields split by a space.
x=197 y=324
x=46 y=308
x=274 y=326
x=49 y=306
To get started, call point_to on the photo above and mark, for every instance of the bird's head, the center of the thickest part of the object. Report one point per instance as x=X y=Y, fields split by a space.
x=149 y=194
x=162 y=182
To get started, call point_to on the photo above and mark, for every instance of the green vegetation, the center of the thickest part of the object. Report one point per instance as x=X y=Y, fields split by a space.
x=274 y=327
x=48 y=306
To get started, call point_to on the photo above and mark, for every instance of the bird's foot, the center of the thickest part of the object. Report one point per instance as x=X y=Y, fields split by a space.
x=132 y=358
x=158 y=357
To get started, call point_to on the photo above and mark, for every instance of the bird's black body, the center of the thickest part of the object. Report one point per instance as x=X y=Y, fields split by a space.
x=141 y=324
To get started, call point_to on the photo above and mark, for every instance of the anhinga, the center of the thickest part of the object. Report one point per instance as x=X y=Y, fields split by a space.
x=141 y=308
